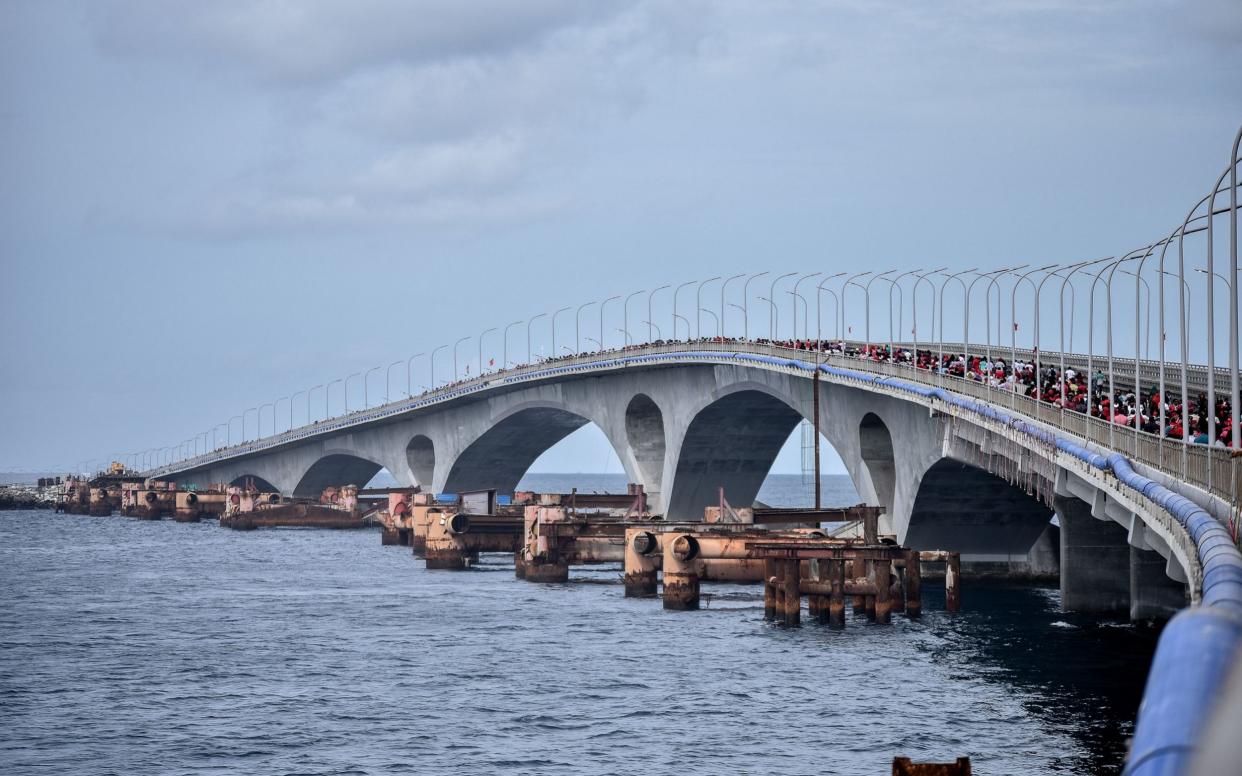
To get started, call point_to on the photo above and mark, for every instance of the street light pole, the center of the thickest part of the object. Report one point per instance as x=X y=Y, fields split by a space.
x=849 y=281
x=677 y=291
x=434 y=351
x=698 y=307
x=723 y=286
x=806 y=309
x=773 y=319
x=409 y=376
x=291 y=400
x=388 y=380
x=625 y=315
x=836 y=308
x=602 y=306
x=558 y=312
x=483 y=334
x=746 y=304
x=504 y=350
x=529 y=321
x=577 y=325
x=455 y=344
x=651 y=318
x=867 y=302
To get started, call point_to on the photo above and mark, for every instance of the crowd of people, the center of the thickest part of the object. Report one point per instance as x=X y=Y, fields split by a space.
x=1071 y=390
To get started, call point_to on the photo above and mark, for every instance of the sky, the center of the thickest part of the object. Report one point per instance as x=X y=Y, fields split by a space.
x=206 y=206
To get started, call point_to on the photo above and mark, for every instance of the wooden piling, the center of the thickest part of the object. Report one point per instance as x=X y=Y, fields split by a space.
x=914 y=584
x=952 y=582
x=836 y=601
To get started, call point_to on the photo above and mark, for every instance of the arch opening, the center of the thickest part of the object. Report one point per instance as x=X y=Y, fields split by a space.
x=791 y=480
x=730 y=444
x=259 y=483
x=584 y=459
x=335 y=470
x=963 y=508
x=420 y=454
x=875 y=444
x=644 y=431
x=507 y=450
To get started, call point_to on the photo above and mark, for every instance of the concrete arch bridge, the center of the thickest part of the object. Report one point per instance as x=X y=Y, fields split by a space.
x=953 y=470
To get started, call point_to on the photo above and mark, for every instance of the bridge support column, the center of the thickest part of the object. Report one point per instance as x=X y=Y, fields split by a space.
x=1095 y=561
x=1153 y=596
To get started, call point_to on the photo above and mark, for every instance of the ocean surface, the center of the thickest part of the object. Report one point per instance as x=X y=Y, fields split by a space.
x=135 y=647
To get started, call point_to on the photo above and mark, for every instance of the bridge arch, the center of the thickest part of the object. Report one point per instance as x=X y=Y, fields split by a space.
x=258 y=482
x=875 y=443
x=335 y=469
x=961 y=507
x=420 y=455
x=501 y=455
x=730 y=443
x=644 y=432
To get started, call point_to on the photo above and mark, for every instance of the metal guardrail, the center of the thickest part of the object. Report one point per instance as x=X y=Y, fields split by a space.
x=1210 y=468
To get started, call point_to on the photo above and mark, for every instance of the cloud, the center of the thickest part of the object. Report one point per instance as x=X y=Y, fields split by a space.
x=300 y=43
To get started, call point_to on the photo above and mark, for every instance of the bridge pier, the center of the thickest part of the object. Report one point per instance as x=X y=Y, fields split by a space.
x=1095 y=561
x=1153 y=596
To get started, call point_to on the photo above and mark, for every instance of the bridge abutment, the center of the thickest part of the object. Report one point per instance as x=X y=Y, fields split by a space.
x=1095 y=561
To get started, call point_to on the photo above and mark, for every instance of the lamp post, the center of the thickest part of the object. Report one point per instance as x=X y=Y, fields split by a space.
x=849 y=281
x=651 y=318
x=578 y=324
x=948 y=277
x=746 y=304
x=715 y=321
x=650 y=325
x=806 y=310
x=346 y=389
x=558 y=312
x=483 y=334
x=602 y=307
x=625 y=315
x=529 y=321
x=698 y=307
x=867 y=302
x=914 y=307
x=258 y=418
x=432 y=359
x=836 y=308
x=255 y=410
x=388 y=381
x=328 y=392
x=215 y=443
x=409 y=376
x=895 y=284
x=455 y=345
x=504 y=350
x=677 y=291
x=723 y=286
x=277 y=403
x=310 y=391
x=774 y=319
x=291 y=401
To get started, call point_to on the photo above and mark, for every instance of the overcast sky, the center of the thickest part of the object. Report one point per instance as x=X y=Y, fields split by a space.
x=207 y=205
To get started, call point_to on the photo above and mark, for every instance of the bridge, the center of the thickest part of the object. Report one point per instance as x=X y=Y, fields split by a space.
x=970 y=448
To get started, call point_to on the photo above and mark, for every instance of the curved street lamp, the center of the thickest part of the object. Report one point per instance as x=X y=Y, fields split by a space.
x=434 y=351
x=578 y=324
x=836 y=308
x=504 y=349
x=388 y=381
x=723 y=286
x=455 y=344
x=805 y=308
x=558 y=312
x=625 y=315
x=849 y=281
x=677 y=291
x=602 y=306
x=698 y=305
x=529 y=321
x=774 y=318
x=483 y=334
x=746 y=303
x=651 y=318
x=346 y=389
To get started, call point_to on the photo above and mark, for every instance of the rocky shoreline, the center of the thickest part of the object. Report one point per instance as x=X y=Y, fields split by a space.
x=26 y=497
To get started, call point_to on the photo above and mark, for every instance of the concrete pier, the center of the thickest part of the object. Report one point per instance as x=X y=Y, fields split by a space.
x=1095 y=560
x=1153 y=596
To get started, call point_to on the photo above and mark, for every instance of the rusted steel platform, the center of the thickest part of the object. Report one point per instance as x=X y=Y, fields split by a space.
x=293 y=515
